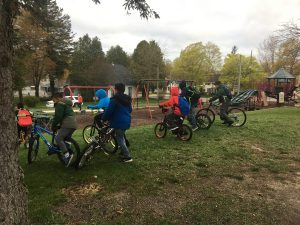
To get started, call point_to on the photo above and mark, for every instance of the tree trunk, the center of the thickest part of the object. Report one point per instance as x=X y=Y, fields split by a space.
x=52 y=84
x=20 y=94
x=13 y=196
x=37 y=90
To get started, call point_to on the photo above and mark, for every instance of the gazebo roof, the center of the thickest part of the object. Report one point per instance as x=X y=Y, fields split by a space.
x=281 y=74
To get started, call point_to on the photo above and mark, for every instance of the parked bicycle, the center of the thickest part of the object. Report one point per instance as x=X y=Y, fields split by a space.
x=34 y=145
x=238 y=115
x=105 y=141
x=183 y=131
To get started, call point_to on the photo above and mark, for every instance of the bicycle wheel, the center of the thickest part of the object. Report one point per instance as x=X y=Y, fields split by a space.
x=238 y=116
x=73 y=147
x=160 y=130
x=109 y=144
x=34 y=143
x=208 y=112
x=86 y=155
x=184 y=132
x=90 y=133
x=203 y=121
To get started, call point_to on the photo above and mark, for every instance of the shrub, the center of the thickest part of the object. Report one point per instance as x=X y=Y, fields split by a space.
x=31 y=101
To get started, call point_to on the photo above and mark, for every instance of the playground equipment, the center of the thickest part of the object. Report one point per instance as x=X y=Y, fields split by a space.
x=147 y=85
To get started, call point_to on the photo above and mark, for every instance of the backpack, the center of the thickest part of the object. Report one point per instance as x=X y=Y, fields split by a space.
x=184 y=105
x=193 y=94
x=24 y=118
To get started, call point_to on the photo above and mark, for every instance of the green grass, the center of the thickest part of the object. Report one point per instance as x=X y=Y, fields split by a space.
x=222 y=176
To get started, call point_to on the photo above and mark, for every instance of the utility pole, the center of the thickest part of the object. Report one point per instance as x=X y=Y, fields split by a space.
x=157 y=84
x=240 y=72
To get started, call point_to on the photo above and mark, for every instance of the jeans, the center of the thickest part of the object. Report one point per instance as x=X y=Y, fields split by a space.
x=224 y=109
x=191 y=117
x=63 y=134
x=120 y=136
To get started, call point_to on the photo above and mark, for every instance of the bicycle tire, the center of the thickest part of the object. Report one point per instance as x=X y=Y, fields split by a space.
x=184 y=132
x=74 y=147
x=33 y=149
x=160 y=130
x=203 y=121
x=110 y=144
x=238 y=116
x=86 y=154
x=89 y=133
x=208 y=112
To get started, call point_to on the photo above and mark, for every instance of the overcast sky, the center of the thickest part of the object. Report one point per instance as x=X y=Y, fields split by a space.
x=244 y=23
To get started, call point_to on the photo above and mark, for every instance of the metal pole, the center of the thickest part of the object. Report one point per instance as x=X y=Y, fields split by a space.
x=157 y=84
x=240 y=71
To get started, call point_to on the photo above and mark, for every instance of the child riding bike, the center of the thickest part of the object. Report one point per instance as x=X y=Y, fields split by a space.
x=24 y=120
x=64 y=120
x=174 y=118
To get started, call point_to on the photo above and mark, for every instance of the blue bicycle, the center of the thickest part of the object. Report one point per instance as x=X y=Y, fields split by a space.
x=34 y=144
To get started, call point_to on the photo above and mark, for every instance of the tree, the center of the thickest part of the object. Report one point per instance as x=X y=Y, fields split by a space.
x=116 y=55
x=197 y=62
x=268 y=54
x=87 y=51
x=14 y=206
x=251 y=71
x=147 y=61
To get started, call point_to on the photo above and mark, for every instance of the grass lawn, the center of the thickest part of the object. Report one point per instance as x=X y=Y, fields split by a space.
x=247 y=175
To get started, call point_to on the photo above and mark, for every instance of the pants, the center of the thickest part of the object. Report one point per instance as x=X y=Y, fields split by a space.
x=120 y=136
x=173 y=120
x=80 y=105
x=25 y=129
x=191 y=117
x=224 y=109
x=62 y=135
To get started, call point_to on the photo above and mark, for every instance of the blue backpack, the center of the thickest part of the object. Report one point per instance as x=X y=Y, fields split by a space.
x=184 y=106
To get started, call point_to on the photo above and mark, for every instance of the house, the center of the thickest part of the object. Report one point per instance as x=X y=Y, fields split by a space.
x=44 y=89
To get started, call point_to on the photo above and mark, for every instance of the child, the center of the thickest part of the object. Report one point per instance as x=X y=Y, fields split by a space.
x=24 y=119
x=65 y=118
x=118 y=114
x=174 y=118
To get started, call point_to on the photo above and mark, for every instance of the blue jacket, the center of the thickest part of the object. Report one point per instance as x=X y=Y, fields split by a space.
x=118 y=111
x=103 y=100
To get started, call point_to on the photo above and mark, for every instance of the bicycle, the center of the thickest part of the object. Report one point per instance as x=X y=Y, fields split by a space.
x=105 y=141
x=183 y=131
x=34 y=144
x=238 y=115
x=91 y=131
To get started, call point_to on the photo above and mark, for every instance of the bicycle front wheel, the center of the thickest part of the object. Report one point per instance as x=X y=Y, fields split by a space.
x=110 y=144
x=34 y=143
x=203 y=121
x=86 y=155
x=73 y=148
x=160 y=130
x=238 y=116
x=208 y=112
x=90 y=133
x=184 y=132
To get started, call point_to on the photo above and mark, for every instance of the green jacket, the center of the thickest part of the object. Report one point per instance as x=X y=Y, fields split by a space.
x=222 y=91
x=64 y=115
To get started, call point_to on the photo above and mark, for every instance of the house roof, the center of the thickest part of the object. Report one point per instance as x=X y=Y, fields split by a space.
x=281 y=74
x=122 y=74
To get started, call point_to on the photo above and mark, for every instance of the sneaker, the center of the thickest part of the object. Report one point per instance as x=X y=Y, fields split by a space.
x=195 y=128
x=126 y=160
x=68 y=158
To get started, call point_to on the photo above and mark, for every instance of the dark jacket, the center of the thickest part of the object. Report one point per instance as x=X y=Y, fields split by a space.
x=64 y=115
x=222 y=91
x=118 y=111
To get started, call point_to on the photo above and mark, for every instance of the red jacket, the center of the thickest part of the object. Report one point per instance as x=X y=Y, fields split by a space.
x=173 y=101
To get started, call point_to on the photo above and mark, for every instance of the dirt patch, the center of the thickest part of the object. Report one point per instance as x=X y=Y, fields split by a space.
x=138 y=117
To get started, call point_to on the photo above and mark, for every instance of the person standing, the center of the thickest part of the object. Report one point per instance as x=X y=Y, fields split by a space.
x=191 y=117
x=224 y=96
x=118 y=113
x=80 y=101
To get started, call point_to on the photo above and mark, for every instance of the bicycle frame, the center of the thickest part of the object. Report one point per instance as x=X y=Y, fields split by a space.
x=37 y=130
